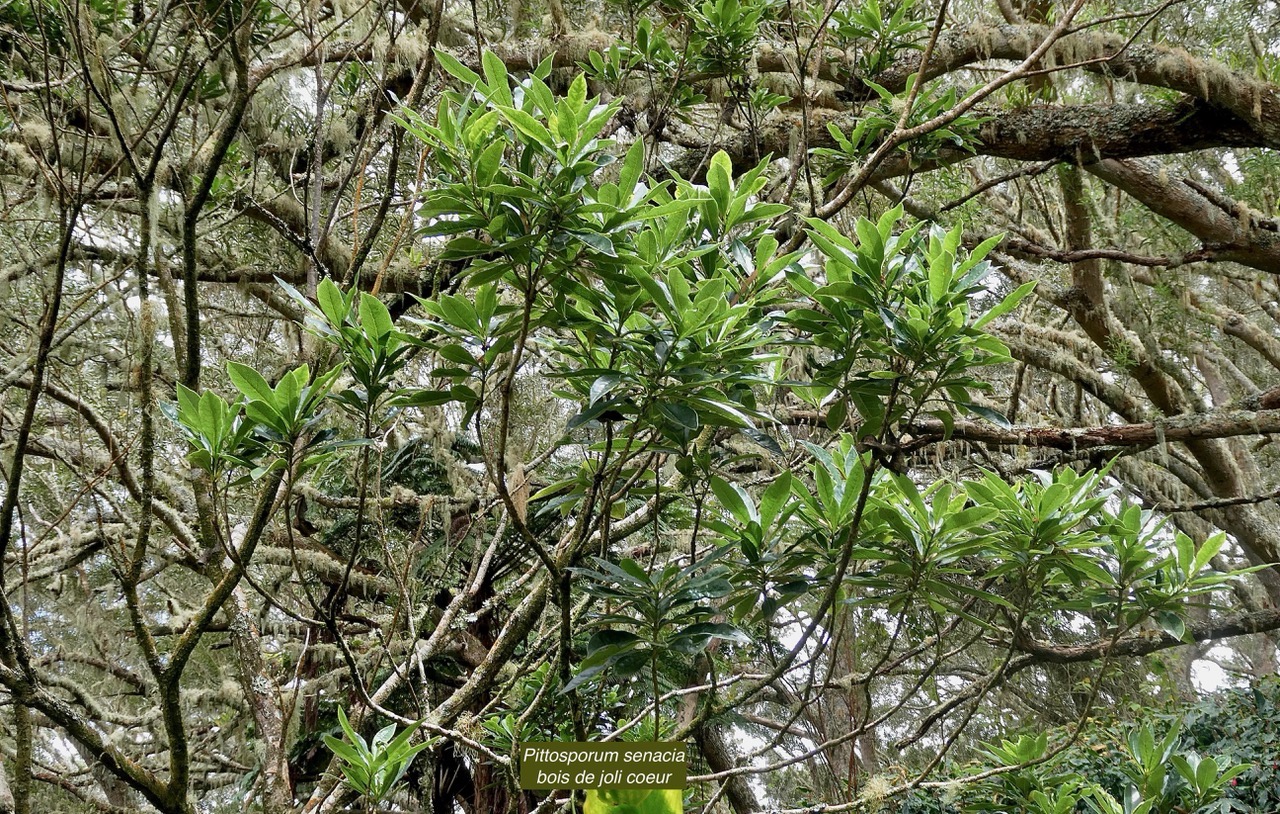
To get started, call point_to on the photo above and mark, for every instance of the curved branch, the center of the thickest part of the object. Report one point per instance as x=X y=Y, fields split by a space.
x=1147 y=642
x=1249 y=98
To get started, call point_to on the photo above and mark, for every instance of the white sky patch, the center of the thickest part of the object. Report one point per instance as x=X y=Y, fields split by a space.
x=748 y=743
x=1232 y=167
x=1208 y=676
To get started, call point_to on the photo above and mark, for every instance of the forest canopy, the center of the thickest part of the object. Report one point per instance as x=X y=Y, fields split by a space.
x=877 y=399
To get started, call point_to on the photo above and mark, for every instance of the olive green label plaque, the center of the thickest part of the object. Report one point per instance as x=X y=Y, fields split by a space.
x=641 y=766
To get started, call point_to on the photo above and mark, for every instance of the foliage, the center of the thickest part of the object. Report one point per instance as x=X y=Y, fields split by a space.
x=850 y=149
x=887 y=34
x=226 y=436
x=1215 y=757
x=546 y=375
x=373 y=768
x=373 y=350
x=1240 y=726
x=666 y=612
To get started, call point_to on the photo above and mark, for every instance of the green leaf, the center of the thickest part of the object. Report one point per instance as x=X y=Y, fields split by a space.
x=374 y=317
x=250 y=382
x=489 y=162
x=1206 y=774
x=596 y=242
x=263 y=413
x=342 y=750
x=465 y=247
x=994 y=416
x=725 y=411
x=632 y=168
x=332 y=303
x=939 y=279
x=633 y=801
x=189 y=400
x=495 y=74
x=290 y=388
x=1006 y=305
x=422 y=398
x=734 y=499
x=383 y=736
x=720 y=180
x=775 y=498
x=582 y=677
x=455 y=68
x=603 y=385
x=1172 y=624
x=837 y=413
x=530 y=128
x=680 y=415
x=764 y=440
x=1207 y=551
x=715 y=630
x=613 y=639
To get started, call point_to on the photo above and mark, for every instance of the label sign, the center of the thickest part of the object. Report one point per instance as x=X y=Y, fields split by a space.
x=635 y=765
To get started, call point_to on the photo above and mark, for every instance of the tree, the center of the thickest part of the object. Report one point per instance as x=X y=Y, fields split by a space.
x=708 y=374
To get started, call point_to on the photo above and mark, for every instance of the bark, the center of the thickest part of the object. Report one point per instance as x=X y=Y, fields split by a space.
x=24 y=737
x=263 y=698
x=1149 y=642
x=1080 y=134
x=1179 y=428
x=114 y=791
x=1090 y=310
x=715 y=749
x=85 y=731
x=1228 y=228
x=1248 y=98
